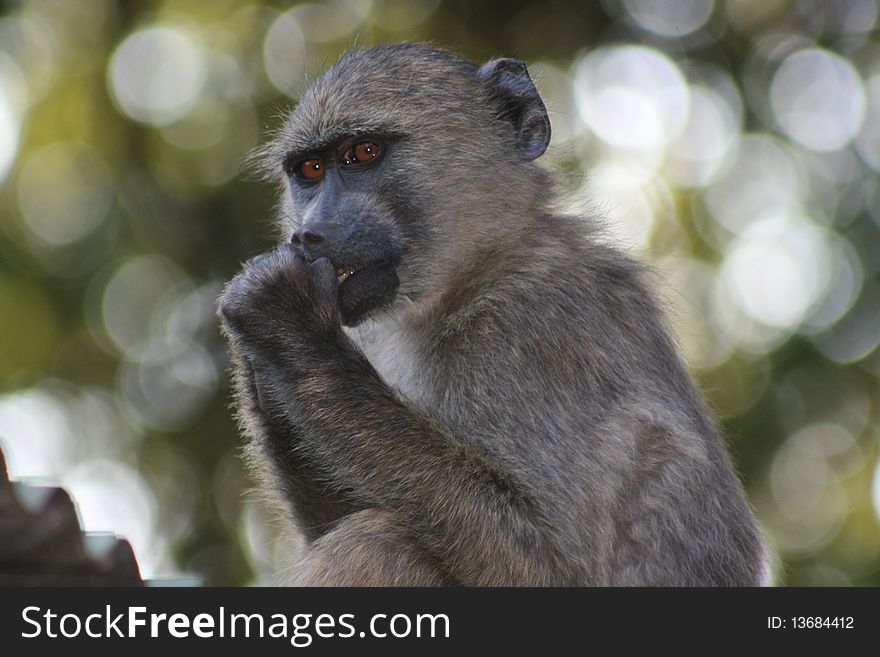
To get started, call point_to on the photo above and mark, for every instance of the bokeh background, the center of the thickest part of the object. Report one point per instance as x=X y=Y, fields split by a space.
x=734 y=145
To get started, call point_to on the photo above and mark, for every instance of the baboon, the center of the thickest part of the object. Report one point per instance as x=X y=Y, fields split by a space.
x=448 y=382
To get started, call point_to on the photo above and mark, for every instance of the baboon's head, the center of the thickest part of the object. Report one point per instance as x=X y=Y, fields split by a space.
x=402 y=162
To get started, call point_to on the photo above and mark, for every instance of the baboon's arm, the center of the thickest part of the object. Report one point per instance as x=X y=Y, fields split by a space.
x=324 y=402
x=315 y=502
x=461 y=507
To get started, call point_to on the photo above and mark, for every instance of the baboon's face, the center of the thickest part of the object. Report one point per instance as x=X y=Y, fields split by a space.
x=387 y=157
x=365 y=183
x=350 y=215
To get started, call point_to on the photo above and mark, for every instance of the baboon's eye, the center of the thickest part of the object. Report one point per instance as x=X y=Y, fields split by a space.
x=310 y=169
x=363 y=151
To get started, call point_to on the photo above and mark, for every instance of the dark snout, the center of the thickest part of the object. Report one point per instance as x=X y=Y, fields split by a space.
x=320 y=239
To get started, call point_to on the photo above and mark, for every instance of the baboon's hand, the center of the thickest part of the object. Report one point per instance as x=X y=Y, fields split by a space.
x=280 y=294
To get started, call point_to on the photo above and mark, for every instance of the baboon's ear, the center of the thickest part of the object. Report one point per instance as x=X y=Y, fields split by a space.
x=519 y=103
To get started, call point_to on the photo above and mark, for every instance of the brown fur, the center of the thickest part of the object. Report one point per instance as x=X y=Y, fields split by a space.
x=510 y=411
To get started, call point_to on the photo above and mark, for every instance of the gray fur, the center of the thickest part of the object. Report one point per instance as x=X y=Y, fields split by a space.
x=514 y=413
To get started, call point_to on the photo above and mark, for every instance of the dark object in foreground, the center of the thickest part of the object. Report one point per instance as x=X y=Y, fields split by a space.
x=41 y=543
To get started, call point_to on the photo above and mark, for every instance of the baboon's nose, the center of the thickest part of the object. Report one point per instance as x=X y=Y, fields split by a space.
x=307 y=237
x=315 y=237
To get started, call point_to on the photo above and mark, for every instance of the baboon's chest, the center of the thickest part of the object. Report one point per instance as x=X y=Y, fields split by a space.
x=391 y=350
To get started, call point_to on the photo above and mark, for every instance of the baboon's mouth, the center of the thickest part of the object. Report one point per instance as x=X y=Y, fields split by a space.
x=342 y=274
x=365 y=288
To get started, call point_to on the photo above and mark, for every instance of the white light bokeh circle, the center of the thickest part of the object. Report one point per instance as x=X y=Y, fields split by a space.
x=875 y=490
x=157 y=74
x=762 y=179
x=805 y=478
x=626 y=205
x=81 y=192
x=818 y=99
x=155 y=317
x=207 y=125
x=35 y=425
x=331 y=20
x=626 y=118
x=670 y=18
x=632 y=97
x=50 y=428
x=9 y=133
x=712 y=129
x=167 y=391
x=260 y=540
x=845 y=278
x=284 y=55
x=31 y=43
x=855 y=336
x=851 y=17
x=777 y=269
x=130 y=300
x=868 y=139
